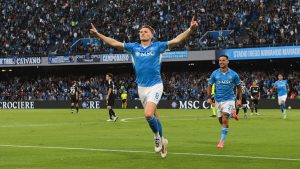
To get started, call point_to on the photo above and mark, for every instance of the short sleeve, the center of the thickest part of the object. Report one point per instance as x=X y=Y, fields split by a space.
x=162 y=46
x=110 y=84
x=237 y=80
x=128 y=47
x=212 y=79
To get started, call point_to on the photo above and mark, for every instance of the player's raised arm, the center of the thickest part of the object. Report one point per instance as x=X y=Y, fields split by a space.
x=183 y=35
x=110 y=41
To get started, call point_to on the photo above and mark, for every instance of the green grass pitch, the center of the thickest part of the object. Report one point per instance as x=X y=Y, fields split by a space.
x=57 y=139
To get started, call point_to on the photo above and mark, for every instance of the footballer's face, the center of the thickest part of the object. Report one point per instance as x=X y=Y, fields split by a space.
x=107 y=77
x=280 y=77
x=223 y=62
x=254 y=83
x=145 y=34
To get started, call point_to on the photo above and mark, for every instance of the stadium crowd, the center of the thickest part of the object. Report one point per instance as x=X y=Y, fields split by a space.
x=32 y=27
x=177 y=86
x=278 y=25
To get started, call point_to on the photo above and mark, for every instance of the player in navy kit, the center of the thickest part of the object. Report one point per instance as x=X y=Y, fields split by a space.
x=146 y=57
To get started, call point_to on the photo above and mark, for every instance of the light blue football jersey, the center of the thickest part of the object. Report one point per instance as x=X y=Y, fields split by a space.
x=147 y=62
x=224 y=84
x=281 y=86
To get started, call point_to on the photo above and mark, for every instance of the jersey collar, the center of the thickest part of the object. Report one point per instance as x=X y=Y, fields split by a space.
x=146 y=46
x=225 y=72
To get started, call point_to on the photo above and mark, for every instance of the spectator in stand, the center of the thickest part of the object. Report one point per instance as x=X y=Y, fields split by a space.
x=34 y=27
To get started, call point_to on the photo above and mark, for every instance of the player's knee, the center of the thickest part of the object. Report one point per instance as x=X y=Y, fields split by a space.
x=149 y=110
x=157 y=117
x=225 y=117
x=148 y=114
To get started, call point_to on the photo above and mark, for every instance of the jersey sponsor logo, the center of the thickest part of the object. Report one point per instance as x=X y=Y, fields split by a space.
x=281 y=85
x=144 y=53
x=223 y=81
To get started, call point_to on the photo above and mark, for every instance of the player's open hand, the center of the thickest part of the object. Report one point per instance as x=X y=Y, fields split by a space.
x=194 y=23
x=209 y=101
x=93 y=30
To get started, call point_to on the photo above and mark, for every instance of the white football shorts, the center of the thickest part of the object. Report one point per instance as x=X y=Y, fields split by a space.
x=225 y=107
x=150 y=94
x=282 y=99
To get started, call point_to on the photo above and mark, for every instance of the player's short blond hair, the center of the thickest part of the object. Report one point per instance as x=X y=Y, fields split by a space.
x=149 y=27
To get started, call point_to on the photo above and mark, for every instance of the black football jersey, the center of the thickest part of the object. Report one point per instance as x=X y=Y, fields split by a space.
x=73 y=90
x=254 y=90
x=111 y=85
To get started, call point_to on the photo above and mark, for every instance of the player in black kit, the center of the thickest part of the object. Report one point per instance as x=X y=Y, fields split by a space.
x=74 y=97
x=245 y=96
x=255 y=96
x=110 y=98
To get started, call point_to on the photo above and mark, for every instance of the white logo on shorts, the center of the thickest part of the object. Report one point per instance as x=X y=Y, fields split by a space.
x=156 y=95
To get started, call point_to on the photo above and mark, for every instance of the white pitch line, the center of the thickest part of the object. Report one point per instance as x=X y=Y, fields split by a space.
x=133 y=118
x=150 y=152
x=42 y=125
x=195 y=118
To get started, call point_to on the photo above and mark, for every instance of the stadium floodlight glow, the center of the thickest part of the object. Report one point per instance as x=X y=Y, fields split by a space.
x=10 y=70
x=3 y=70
